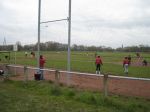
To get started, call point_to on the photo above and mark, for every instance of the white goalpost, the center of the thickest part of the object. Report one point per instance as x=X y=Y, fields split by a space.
x=69 y=36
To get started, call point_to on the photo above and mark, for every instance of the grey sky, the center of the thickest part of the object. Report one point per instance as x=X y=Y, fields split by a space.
x=94 y=22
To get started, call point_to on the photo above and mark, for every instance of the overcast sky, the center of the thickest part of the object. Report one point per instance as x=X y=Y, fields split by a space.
x=94 y=22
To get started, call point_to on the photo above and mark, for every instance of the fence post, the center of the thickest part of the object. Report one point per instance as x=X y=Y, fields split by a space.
x=105 y=86
x=6 y=77
x=25 y=73
x=57 y=76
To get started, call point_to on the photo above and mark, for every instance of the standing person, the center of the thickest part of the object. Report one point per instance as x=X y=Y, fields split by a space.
x=32 y=54
x=26 y=54
x=125 y=65
x=98 y=63
x=138 y=55
x=42 y=62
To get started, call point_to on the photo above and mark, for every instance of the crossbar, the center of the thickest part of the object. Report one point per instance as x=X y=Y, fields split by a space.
x=53 y=21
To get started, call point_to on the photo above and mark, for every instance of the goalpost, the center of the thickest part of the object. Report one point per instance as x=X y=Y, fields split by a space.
x=69 y=36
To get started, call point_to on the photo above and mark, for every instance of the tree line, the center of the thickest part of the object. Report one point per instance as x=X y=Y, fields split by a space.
x=55 y=46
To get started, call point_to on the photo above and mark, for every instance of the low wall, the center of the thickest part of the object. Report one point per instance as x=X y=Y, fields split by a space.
x=127 y=86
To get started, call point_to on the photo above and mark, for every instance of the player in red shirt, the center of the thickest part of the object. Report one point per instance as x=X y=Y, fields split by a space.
x=42 y=62
x=125 y=65
x=98 y=63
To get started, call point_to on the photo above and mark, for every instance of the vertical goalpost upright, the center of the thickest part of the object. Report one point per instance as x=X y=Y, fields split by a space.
x=69 y=37
x=39 y=31
x=69 y=41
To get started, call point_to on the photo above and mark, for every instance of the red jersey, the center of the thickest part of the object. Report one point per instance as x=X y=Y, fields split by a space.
x=125 y=61
x=98 y=60
x=42 y=61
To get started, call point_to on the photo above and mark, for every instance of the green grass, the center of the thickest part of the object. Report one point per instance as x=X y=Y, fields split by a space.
x=81 y=62
x=45 y=97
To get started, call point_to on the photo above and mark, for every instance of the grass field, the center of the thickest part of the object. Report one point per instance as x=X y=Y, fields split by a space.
x=84 y=62
x=44 y=96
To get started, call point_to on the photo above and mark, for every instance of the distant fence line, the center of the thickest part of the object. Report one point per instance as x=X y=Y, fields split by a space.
x=129 y=86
